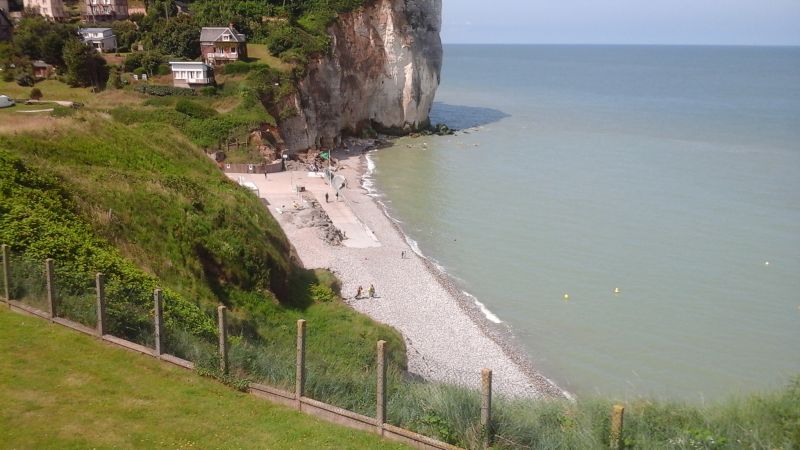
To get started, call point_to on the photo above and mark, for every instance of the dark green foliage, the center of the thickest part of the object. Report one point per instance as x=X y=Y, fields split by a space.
x=38 y=38
x=36 y=94
x=38 y=217
x=179 y=36
x=240 y=67
x=195 y=110
x=85 y=67
x=162 y=91
x=148 y=61
x=208 y=91
x=164 y=69
x=25 y=79
x=127 y=34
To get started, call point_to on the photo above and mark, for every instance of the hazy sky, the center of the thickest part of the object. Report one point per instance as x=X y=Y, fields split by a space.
x=739 y=22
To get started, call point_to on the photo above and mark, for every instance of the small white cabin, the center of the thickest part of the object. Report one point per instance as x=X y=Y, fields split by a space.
x=102 y=39
x=191 y=74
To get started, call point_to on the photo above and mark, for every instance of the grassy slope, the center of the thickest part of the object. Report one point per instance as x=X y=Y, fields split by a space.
x=177 y=217
x=61 y=389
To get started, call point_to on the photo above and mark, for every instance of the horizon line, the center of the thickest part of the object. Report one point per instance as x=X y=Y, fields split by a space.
x=612 y=44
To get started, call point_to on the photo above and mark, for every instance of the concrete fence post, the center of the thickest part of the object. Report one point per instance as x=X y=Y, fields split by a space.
x=617 y=417
x=51 y=287
x=222 y=323
x=300 y=370
x=6 y=275
x=100 y=290
x=158 y=322
x=380 y=408
x=486 y=407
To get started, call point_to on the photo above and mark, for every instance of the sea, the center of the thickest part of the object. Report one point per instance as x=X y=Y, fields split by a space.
x=631 y=214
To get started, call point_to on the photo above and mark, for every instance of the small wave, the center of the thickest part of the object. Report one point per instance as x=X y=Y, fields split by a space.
x=486 y=313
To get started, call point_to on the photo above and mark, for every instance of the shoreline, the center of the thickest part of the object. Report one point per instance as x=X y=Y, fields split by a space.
x=499 y=331
x=448 y=338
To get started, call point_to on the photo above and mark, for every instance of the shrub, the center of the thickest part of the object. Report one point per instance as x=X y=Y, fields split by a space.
x=25 y=80
x=208 y=91
x=195 y=110
x=321 y=294
x=36 y=94
x=163 y=91
x=139 y=71
x=164 y=69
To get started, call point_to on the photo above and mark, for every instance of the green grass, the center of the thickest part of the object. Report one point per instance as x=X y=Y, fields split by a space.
x=51 y=90
x=258 y=53
x=145 y=204
x=61 y=389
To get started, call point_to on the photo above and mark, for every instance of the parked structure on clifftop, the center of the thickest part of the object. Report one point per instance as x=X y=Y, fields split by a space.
x=222 y=45
x=104 y=10
x=52 y=9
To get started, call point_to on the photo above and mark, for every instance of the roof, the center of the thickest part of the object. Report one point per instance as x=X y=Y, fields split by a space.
x=189 y=63
x=214 y=34
x=94 y=30
x=40 y=64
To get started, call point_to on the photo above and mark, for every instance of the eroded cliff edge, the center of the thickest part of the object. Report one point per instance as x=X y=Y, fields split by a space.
x=382 y=71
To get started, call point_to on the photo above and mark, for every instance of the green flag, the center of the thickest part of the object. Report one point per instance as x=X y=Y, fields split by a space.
x=325 y=155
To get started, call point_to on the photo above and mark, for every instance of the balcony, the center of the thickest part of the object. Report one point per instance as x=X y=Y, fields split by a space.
x=222 y=56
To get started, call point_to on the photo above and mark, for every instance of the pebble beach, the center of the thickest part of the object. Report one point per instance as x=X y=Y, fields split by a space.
x=448 y=339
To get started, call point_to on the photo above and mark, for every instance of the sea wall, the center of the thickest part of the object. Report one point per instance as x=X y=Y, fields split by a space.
x=382 y=71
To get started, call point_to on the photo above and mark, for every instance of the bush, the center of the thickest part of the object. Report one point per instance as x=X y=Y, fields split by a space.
x=321 y=294
x=240 y=67
x=195 y=110
x=163 y=91
x=208 y=91
x=25 y=80
x=139 y=71
x=36 y=94
x=164 y=69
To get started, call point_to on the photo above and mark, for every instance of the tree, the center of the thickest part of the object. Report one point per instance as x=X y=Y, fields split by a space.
x=115 y=78
x=85 y=67
x=36 y=94
x=179 y=36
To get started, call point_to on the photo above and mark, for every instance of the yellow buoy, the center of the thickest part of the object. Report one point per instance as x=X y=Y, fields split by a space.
x=616 y=290
x=566 y=297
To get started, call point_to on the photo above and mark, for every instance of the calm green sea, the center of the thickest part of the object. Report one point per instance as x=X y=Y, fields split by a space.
x=671 y=173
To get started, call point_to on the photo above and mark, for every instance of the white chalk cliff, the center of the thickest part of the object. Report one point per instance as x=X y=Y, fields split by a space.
x=382 y=72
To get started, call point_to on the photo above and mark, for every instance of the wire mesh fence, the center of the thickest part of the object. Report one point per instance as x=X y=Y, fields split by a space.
x=76 y=296
x=129 y=313
x=27 y=282
x=3 y=274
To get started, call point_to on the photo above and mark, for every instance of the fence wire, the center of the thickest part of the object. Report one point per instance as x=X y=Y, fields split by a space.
x=76 y=296
x=27 y=282
x=129 y=312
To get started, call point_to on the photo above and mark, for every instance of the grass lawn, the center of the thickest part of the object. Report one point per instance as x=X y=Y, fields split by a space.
x=51 y=90
x=260 y=54
x=61 y=389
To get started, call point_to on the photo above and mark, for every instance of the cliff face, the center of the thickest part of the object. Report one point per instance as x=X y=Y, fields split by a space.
x=382 y=71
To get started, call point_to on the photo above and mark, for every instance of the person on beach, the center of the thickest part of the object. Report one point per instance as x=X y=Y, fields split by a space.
x=326 y=197
x=337 y=196
x=403 y=254
x=358 y=293
x=371 y=291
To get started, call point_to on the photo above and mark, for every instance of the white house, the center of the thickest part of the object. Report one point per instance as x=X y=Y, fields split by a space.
x=103 y=39
x=191 y=74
